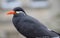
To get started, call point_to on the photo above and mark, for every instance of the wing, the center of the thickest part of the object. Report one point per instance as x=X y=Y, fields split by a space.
x=29 y=27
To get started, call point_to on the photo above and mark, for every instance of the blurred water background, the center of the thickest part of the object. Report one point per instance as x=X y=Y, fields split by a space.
x=46 y=11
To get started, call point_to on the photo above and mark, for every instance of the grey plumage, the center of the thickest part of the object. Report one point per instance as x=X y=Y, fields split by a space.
x=30 y=27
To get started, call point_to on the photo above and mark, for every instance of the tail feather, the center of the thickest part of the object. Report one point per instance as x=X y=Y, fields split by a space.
x=56 y=32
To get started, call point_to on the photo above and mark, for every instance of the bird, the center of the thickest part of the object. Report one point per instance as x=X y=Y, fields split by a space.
x=29 y=26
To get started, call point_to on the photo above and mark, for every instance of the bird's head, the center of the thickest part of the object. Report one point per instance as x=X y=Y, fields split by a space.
x=16 y=10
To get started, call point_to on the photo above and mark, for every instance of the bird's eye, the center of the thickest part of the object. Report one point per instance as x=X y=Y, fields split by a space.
x=19 y=12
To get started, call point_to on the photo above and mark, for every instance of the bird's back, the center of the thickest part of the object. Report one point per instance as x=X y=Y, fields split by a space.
x=30 y=27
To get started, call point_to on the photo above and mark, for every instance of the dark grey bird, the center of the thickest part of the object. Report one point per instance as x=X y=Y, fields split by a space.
x=29 y=26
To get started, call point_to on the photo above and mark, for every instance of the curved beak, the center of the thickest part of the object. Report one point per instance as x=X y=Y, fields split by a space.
x=11 y=12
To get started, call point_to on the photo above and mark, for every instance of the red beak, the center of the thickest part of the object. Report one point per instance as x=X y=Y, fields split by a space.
x=11 y=12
